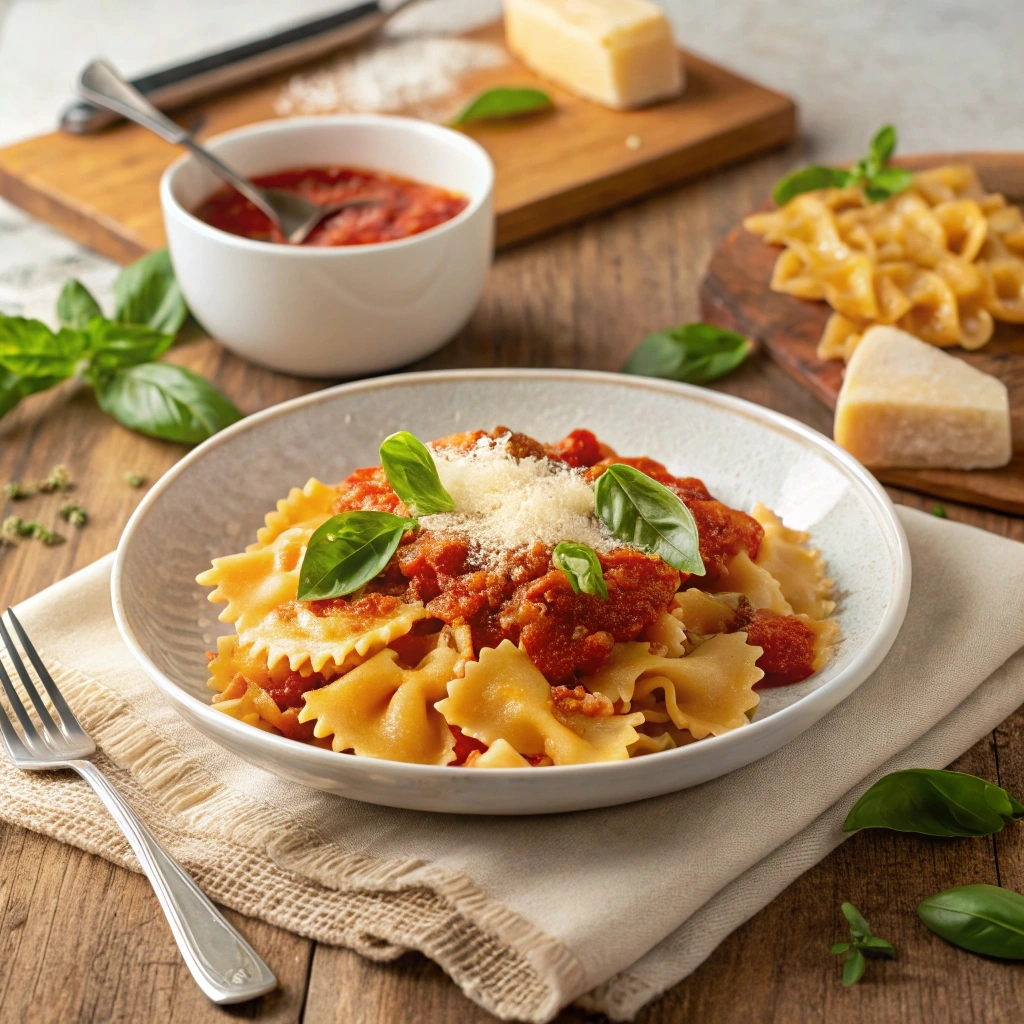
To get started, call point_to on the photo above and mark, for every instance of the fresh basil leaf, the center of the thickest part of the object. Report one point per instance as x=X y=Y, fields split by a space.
x=877 y=945
x=888 y=181
x=984 y=919
x=147 y=292
x=859 y=928
x=841 y=947
x=503 y=102
x=165 y=401
x=29 y=348
x=641 y=512
x=76 y=306
x=853 y=969
x=882 y=146
x=412 y=473
x=933 y=803
x=808 y=179
x=582 y=568
x=348 y=551
x=694 y=353
x=114 y=346
x=13 y=388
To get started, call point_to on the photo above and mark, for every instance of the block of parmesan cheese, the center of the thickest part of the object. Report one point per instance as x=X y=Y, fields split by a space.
x=616 y=52
x=907 y=403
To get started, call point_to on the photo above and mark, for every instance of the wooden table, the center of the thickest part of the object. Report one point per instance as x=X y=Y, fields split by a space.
x=84 y=941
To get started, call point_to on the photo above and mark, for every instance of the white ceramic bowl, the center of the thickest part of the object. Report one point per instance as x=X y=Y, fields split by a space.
x=212 y=502
x=345 y=310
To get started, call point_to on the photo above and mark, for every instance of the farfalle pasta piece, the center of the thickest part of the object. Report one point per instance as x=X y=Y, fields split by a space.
x=797 y=568
x=755 y=582
x=707 y=693
x=260 y=587
x=504 y=696
x=381 y=710
x=309 y=506
x=500 y=754
x=703 y=613
x=668 y=632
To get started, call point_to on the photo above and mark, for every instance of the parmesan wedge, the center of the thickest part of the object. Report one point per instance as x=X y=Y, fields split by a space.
x=907 y=403
x=619 y=53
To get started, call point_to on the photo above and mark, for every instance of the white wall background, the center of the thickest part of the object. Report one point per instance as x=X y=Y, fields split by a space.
x=948 y=73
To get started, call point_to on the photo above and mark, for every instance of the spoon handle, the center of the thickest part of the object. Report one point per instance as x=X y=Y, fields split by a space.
x=100 y=84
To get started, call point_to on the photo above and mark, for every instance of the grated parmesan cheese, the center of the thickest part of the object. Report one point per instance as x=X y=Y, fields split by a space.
x=503 y=504
x=394 y=75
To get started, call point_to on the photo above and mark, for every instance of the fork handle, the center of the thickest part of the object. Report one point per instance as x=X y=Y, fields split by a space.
x=223 y=964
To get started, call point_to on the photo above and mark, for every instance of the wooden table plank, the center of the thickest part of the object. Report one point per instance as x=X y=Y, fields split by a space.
x=83 y=941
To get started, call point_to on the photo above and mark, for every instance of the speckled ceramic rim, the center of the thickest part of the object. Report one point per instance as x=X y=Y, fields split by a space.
x=864 y=662
x=461 y=144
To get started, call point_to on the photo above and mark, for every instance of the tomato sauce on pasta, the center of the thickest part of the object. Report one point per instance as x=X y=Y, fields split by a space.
x=664 y=659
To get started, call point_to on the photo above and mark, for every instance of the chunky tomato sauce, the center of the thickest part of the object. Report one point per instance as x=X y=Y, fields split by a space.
x=528 y=601
x=400 y=207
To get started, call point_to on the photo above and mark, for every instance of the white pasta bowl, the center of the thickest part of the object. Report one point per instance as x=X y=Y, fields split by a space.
x=335 y=311
x=212 y=502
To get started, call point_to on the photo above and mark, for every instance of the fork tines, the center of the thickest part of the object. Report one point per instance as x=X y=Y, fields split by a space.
x=60 y=721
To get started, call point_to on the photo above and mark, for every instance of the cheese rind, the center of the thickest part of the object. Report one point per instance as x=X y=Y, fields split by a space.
x=619 y=53
x=905 y=403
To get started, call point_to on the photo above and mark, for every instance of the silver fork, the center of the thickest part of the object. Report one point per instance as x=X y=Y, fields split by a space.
x=223 y=964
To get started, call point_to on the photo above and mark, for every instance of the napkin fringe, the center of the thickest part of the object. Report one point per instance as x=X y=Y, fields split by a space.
x=500 y=960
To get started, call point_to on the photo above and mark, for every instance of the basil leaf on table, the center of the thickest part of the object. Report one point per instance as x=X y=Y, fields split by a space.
x=13 y=388
x=582 y=568
x=934 y=803
x=76 y=306
x=348 y=551
x=809 y=179
x=412 y=473
x=147 y=292
x=30 y=349
x=503 y=102
x=861 y=941
x=693 y=353
x=114 y=346
x=983 y=919
x=165 y=401
x=641 y=512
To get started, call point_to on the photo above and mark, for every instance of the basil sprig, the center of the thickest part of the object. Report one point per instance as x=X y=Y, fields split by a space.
x=412 y=473
x=861 y=941
x=693 y=353
x=873 y=173
x=934 y=803
x=348 y=551
x=641 y=512
x=502 y=102
x=117 y=357
x=582 y=568
x=984 y=919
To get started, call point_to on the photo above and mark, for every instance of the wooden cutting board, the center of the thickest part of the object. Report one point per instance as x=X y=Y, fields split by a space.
x=552 y=169
x=735 y=294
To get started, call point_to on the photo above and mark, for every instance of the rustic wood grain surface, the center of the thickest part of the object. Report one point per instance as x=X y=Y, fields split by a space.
x=83 y=942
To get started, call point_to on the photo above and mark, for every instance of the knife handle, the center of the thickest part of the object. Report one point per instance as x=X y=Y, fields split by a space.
x=195 y=79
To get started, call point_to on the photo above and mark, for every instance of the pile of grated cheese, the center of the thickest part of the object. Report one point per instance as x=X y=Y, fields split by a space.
x=503 y=504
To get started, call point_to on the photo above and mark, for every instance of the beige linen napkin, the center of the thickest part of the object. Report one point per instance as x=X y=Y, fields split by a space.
x=528 y=914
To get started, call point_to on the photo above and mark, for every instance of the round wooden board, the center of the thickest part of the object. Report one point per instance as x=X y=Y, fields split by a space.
x=734 y=294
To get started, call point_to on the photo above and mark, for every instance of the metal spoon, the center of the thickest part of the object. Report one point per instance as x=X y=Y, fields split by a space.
x=294 y=216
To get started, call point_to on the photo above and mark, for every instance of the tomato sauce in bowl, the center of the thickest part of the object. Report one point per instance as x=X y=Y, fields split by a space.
x=400 y=207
